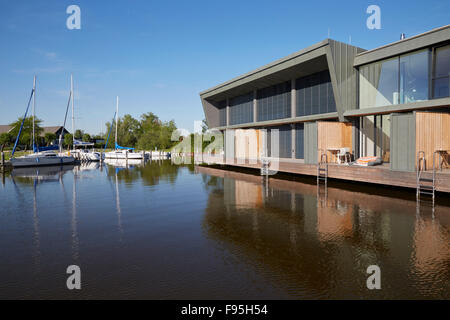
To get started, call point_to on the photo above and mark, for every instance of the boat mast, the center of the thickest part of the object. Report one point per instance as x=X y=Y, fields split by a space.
x=117 y=118
x=34 y=109
x=73 y=115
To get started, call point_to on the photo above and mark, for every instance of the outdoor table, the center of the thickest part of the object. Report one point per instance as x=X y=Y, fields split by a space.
x=334 y=152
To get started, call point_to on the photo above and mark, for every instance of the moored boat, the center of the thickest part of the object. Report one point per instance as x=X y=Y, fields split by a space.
x=41 y=156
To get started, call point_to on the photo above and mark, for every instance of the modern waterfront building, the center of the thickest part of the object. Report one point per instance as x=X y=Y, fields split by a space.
x=390 y=102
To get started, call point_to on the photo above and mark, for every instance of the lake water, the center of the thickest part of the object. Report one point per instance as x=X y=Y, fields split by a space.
x=161 y=231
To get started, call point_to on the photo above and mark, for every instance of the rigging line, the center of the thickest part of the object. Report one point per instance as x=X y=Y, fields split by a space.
x=64 y=125
x=23 y=121
x=110 y=130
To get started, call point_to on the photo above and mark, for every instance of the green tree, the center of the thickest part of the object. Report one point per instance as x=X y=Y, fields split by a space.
x=129 y=131
x=79 y=134
x=147 y=133
x=111 y=137
x=27 y=131
x=86 y=137
x=49 y=138
x=151 y=126
x=5 y=140
x=68 y=140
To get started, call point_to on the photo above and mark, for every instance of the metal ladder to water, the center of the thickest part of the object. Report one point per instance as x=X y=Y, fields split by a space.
x=322 y=169
x=425 y=186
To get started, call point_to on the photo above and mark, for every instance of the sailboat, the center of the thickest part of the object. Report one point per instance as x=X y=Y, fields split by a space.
x=121 y=152
x=82 y=154
x=42 y=156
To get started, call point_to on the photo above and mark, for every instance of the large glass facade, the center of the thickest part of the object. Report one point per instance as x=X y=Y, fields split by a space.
x=402 y=79
x=441 y=72
x=375 y=136
x=222 y=105
x=315 y=94
x=378 y=84
x=274 y=102
x=414 y=73
x=284 y=141
x=241 y=109
x=299 y=141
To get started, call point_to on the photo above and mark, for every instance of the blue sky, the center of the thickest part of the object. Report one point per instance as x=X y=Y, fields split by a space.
x=158 y=55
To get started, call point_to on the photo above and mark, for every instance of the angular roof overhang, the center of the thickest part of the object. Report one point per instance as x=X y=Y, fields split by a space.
x=303 y=62
x=335 y=56
x=419 y=41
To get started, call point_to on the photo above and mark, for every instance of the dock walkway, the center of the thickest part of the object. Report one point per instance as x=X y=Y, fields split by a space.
x=377 y=174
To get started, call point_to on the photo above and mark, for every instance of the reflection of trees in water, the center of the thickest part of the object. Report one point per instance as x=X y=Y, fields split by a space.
x=152 y=173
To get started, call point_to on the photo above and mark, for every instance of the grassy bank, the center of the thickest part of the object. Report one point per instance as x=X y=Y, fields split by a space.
x=17 y=154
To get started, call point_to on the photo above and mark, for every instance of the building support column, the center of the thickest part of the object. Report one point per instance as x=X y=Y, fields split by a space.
x=255 y=105
x=293 y=115
x=293 y=146
x=228 y=112
x=293 y=99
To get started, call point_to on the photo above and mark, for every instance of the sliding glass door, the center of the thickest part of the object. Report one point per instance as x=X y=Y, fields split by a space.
x=375 y=136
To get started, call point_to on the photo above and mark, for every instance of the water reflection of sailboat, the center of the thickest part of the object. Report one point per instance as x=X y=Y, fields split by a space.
x=74 y=221
x=118 y=208
x=36 y=230
x=87 y=166
x=40 y=174
x=122 y=163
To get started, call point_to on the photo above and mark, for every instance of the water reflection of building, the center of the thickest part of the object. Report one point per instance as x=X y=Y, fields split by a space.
x=320 y=247
x=431 y=254
x=336 y=222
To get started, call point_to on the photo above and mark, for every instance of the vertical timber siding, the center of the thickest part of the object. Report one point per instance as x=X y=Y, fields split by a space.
x=432 y=133
x=334 y=135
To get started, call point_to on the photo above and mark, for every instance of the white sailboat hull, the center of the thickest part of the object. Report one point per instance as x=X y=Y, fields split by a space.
x=41 y=159
x=87 y=155
x=123 y=155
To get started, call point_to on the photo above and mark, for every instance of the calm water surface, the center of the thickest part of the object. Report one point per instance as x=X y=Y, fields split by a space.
x=161 y=231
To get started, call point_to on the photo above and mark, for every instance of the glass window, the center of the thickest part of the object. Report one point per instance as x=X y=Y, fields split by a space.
x=375 y=136
x=299 y=141
x=441 y=77
x=274 y=102
x=402 y=79
x=241 y=109
x=284 y=142
x=414 y=76
x=378 y=84
x=222 y=105
x=315 y=94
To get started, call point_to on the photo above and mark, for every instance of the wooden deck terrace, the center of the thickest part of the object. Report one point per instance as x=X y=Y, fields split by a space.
x=380 y=174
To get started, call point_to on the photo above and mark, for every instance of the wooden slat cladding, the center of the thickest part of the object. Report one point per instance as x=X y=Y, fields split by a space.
x=248 y=144
x=432 y=133
x=334 y=135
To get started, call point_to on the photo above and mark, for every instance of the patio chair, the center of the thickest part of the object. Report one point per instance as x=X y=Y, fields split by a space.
x=344 y=154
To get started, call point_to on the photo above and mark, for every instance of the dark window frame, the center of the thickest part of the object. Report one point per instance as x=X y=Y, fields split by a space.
x=433 y=77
